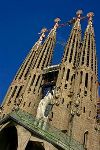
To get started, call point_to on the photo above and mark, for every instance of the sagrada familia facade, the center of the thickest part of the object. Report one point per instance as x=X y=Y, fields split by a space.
x=54 y=107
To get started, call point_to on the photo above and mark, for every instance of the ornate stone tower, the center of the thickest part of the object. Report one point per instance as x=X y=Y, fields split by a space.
x=15 y=92
x=66 y=77
x=26 y=87
x=33 y=90
x=84 y=106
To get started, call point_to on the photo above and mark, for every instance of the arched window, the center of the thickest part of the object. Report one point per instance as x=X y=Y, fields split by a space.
x=85 y=140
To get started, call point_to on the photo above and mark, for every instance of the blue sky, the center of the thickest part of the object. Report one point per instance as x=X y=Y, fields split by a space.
x=22 y=20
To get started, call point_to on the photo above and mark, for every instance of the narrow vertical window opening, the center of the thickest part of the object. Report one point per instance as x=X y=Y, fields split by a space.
x=89 y=113
x=81 y=74
x=86 y=80
x=67 y=76
x=19 y=91
x=91 y=88
x=33 y=80
x=85 y=140
x=14 y=91
x=37 y=80
x=84 y=110
x=29 y=104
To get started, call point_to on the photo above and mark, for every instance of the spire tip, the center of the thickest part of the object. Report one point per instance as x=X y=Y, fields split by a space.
x=79 y=12
x=43 y=30
x=90 y=14
x=57 y=20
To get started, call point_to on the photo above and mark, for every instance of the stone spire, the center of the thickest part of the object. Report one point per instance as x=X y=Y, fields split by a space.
x=45 y=56
x=30 y=59
x=71 y=50
x=88 y=52
x=33 y=89
x=65 y=81
x=87 y=69
x=86 y=89
x=19 y=83
x=73 y=43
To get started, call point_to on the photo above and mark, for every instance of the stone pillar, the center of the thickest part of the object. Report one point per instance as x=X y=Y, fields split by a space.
x=49 y=146
x=23 y=137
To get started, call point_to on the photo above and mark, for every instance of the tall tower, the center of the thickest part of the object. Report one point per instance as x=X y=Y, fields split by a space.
x=84 y=105
x=66 y=76
x=25 y=89
x=33 y=90
x=16 y=90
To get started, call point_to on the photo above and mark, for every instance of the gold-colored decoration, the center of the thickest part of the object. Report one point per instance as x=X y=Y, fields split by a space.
x=79 y=12
x=44 y=30
x=90 y=14
x=57 y=20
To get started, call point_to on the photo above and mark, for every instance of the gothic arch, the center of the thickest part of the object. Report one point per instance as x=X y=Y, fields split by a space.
x=34 y=145
x=8 y=138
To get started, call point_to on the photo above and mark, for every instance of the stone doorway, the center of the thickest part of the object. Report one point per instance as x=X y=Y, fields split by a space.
x=8 y=138
x=34 y=146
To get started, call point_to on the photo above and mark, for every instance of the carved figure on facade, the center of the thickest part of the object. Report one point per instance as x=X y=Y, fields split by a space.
x=45 y=106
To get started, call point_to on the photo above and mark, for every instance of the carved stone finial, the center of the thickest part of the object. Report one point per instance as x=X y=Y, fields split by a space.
x=42 y=36
x=79 y=13
x=57 y=20
x=90 y=15
x=43 y=30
